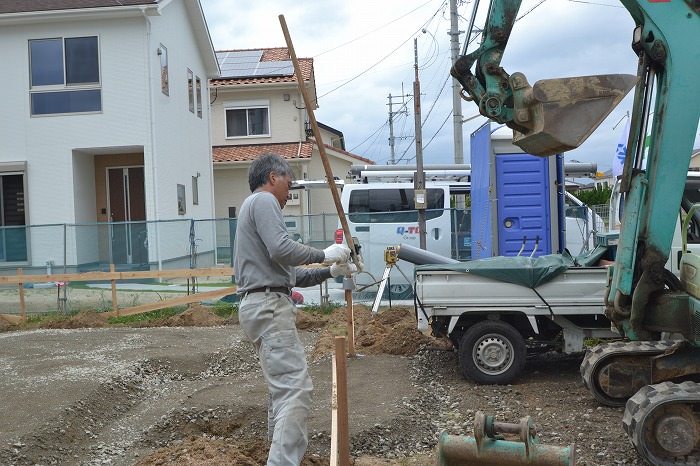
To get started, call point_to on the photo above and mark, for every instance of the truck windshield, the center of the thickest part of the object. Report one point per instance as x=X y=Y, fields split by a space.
x=399 y=201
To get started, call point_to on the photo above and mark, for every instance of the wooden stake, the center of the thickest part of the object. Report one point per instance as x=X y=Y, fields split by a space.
x=21 y=297
x=334 y=416
x=351 y=324
x=342 y=395
x=115 y=309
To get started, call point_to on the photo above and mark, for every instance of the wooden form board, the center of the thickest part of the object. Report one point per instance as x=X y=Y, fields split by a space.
x=193 y=298
x=113 y=277
x=108 y=276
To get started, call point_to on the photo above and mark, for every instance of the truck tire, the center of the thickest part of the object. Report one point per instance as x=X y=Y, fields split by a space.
x=492 y=352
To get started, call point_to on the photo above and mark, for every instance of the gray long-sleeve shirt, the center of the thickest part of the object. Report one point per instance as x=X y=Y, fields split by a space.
x=264 y=253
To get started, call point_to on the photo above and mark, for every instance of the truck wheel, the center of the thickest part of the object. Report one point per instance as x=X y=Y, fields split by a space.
x=492 y=352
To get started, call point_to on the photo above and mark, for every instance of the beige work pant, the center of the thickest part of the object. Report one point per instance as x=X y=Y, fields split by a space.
x=269 y=321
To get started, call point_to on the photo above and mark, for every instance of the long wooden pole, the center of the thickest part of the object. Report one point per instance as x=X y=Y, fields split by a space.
x=329 y=172
x=317 y=135
x=342 y=399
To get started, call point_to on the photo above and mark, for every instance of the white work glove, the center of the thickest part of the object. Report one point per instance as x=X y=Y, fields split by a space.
x=347 y=268
x=336 y=253
x=359 y=263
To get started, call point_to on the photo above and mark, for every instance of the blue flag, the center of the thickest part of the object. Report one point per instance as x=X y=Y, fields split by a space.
x=621 y=151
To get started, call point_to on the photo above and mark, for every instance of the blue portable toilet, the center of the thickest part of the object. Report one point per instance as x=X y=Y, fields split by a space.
x=517 y=198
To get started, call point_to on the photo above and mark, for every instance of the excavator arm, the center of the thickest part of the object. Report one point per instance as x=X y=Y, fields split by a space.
x=656 y=380
x=667 y=108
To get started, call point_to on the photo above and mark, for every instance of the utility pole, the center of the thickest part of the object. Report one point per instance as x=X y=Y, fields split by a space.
x=419 y=179
x=456 y=86
x=391 y=131
x=392 y=138
x=460 y=202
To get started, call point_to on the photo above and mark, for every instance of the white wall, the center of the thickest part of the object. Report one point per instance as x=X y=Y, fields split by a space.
x=47 y=142
x=176 y=146
x=181 y=140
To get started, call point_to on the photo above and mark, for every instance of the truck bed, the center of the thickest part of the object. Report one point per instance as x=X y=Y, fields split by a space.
x=575 y=291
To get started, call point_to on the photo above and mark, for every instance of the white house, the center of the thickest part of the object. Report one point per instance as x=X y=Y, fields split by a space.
x=257 y=108
x=105 y=118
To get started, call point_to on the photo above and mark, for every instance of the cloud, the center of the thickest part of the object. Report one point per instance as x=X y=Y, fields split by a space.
x=364 y=50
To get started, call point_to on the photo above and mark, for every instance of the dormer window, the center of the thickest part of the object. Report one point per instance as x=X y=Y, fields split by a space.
x=247 y=119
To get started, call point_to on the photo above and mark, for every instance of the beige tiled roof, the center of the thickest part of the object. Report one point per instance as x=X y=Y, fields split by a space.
x=269 y=54
x=290 y=151
x=21 y=6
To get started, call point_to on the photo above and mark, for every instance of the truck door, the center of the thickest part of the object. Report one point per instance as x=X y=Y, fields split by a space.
x=523 y=193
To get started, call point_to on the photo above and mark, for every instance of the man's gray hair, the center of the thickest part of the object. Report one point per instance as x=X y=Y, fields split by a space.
x=261 y=168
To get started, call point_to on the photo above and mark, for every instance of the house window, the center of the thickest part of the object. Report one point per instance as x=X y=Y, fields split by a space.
x=198 y=87
x=190 y=88
x=245 y=119
x=64 y=75
x=181 y=204
x=13 y=232
x=195 y=189
x=164 y=83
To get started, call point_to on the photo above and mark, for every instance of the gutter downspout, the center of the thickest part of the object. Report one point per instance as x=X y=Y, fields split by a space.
x=152 y=137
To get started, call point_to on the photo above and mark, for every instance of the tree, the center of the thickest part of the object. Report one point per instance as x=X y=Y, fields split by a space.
x=595 y=196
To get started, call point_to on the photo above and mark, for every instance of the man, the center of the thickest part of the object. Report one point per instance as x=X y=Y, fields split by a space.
x=265 y=265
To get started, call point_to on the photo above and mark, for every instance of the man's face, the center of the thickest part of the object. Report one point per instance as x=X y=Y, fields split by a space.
x=279 y=186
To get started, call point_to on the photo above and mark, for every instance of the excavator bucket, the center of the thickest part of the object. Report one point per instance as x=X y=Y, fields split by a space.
x=560 y=114
x=489 y=447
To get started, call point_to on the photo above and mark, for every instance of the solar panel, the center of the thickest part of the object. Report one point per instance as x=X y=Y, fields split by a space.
x=247 y=64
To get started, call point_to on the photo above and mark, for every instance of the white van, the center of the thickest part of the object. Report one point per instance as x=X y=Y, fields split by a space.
x=383 y=214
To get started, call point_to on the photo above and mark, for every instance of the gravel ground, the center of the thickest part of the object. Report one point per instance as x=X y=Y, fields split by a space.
x=194 y=395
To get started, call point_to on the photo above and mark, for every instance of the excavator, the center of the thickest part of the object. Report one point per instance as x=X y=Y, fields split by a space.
x=655 y=370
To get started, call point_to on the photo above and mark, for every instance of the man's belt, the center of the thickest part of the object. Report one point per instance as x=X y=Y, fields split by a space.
x=267 y=289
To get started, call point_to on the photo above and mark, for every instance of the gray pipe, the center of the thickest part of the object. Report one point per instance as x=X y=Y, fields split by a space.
x=356 y=170
x=418 y=256
x=580 y=169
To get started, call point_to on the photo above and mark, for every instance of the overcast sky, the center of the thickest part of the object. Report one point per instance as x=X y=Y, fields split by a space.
x=364 y=50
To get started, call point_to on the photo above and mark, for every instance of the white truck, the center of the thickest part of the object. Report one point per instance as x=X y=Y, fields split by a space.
x=496 y=310
x=493 y=322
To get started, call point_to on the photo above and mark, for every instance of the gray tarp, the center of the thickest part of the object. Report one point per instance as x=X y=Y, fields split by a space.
x=526 y=271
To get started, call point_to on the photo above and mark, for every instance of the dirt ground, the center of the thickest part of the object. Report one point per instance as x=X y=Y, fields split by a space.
x=187 y=391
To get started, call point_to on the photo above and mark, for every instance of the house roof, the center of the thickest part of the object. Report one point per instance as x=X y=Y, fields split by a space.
x=245 y=153
x=15 y=6
x=269 y=55
x=288 y=150
x=38 y=11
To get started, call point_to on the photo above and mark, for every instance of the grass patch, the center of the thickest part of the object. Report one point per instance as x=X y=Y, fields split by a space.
x=325 y=309
x=224 y=309
x=158 y=314
x=40 y=320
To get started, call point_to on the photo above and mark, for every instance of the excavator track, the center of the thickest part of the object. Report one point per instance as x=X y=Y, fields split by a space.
x=601 y=356
x=663 y=423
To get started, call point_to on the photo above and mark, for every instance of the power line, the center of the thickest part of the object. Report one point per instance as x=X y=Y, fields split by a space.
x=385 y=57
x=595 y=3
x=439 y=129
x=372 y=31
